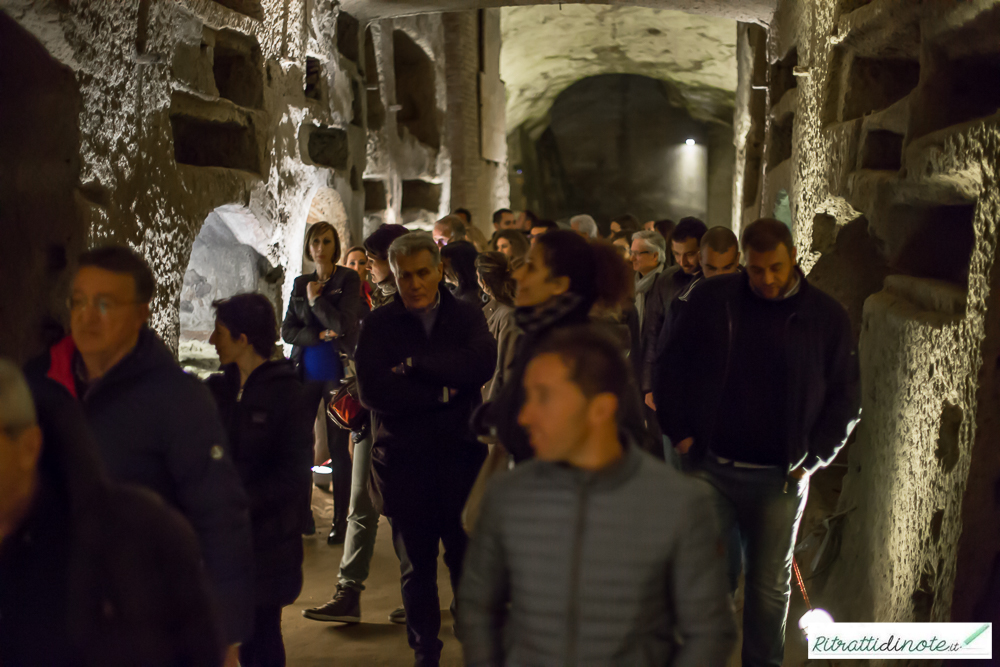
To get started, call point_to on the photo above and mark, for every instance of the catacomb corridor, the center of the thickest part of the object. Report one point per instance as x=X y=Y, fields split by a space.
x=226 y=141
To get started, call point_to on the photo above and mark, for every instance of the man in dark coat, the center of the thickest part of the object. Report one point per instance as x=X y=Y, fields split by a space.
x=764 y=390
x=155 y=425
x=94 y=573
x=421 y=362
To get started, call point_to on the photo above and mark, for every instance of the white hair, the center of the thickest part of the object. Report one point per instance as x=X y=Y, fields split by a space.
x=584 y=224
x=17 y=409
x=654 y=242
x=410 y=244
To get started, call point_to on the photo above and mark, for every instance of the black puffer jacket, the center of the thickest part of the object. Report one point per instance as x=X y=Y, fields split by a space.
x=270 y=438
x=823 y=387
x=338 y=308
x=135 y=591
x=425 y=455
x=158 y=427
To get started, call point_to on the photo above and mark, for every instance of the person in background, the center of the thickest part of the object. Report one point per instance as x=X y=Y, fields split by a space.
x=449 y=229
x=155 y=425
x=465 y=215
x=561 y=281
x=771 y=393
x=497 y=282
x=74 y=546
x=321 y=323
x=562 y=569
x=685 y=247
x=377 y=246
x=526 y=220
x=356 y=258
x=269 y=423
x=422 y=361
x=459 y=259
x=720 y=252
x=362 y=522
x=504 y=218
x=584 y=225
x=511 y=243
x=649 y=254
x=623 y=242
x=666 y=229
x=541 y=227
x=625 y=223
x=478 y=239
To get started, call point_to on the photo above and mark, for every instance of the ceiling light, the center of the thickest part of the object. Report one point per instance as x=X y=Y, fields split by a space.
x=690 y=142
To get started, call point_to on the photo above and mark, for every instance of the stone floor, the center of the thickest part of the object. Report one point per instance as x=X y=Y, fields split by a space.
x=376 y=641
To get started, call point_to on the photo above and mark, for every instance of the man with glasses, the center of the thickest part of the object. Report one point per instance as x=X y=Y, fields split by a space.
x=155 y=426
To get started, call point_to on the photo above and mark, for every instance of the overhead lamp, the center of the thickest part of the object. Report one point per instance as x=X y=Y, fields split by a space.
x=690 y=142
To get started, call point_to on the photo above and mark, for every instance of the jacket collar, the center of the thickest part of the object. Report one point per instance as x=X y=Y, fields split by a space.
x=606 y=479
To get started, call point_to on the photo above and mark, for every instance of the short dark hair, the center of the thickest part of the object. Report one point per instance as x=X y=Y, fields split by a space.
x=498 y=215
x=250 y=315
x=530 y=215
x=628 y=222
x=595 y=361
x=765 y=234
x=466 y=213
x=665 y=227
x=550 y=225
x=356 y=248
x=720 y=239
x=689 y=228
x=323 y=227
x=378 y=242
x=119 y=259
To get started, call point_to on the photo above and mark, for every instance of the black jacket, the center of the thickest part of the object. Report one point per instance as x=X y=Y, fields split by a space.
x=823 y=376
x=658 y=302
x=100 y=573
x=500 y=415
x=425 y=457
x=338 y=308
x=157 y=427
x=270 y=438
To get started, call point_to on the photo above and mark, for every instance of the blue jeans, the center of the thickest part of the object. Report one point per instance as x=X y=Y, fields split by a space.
x=762 y=509
x=362 y=522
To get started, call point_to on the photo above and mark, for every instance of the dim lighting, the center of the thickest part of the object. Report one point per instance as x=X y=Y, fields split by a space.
x=813 y=619
x=690 y=142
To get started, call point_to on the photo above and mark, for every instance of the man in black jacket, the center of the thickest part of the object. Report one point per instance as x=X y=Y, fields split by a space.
x=155 y=425
x=421 y=362
x=764 y=390
x=94 y=573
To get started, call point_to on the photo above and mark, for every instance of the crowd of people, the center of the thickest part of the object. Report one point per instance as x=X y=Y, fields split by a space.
x=604 y=431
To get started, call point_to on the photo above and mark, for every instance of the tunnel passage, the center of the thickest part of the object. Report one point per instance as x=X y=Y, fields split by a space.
x=221 y=266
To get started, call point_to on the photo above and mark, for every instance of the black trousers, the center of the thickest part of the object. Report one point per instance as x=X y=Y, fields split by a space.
x=265 y=647
x=337 y=442
x=415 y=538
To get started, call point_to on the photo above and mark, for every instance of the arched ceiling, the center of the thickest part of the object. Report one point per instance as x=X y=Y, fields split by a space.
x=759 y=11
x=547 y=48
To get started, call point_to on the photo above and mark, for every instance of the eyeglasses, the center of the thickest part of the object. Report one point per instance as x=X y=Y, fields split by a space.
x=102 y=304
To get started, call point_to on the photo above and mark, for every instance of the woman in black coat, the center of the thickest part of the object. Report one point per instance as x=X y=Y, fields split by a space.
x=321 y=323
x=566 y=280
x=269 y=423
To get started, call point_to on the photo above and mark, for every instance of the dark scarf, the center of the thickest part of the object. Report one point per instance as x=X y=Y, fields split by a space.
x=533 y=319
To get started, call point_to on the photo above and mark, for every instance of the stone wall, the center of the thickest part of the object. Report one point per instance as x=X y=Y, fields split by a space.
x=869 y=116
x=137 y=121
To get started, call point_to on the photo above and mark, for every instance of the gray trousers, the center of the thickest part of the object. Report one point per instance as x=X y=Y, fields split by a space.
x=362 y=522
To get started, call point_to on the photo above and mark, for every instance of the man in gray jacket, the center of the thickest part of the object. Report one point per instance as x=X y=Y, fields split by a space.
x=592 y=553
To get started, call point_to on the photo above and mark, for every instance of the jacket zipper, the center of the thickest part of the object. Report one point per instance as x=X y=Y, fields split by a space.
x=573 y=613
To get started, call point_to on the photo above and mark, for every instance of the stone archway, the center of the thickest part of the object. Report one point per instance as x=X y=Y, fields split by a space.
x=229 y=256
x=326 y=206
